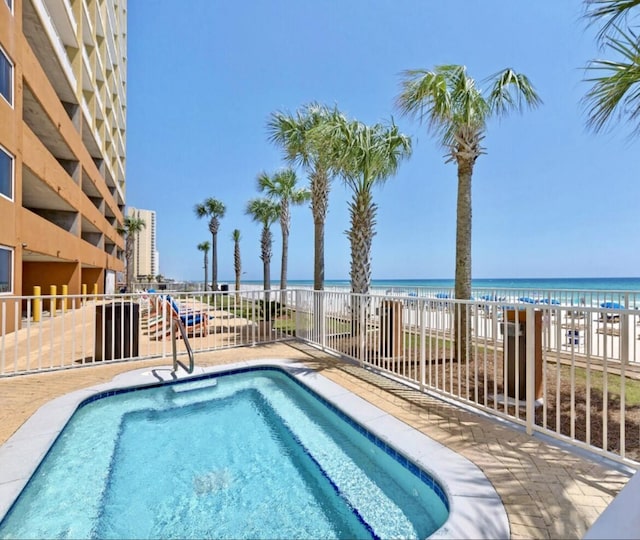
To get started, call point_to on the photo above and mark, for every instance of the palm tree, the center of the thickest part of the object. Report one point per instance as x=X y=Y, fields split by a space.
x=281 y=188
x=215 y=210
x=132 y=226
x=616 y=83
x=205 y=247
x=237 y=262
x=303 y=145
x=611 y=13
x=265 y=212
x=456 y=112
x=366 y=156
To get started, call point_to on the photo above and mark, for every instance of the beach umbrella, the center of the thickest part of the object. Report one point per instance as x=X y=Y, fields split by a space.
x=611 y=305
x=526 y=300
x=551 y=301
x=442 y=295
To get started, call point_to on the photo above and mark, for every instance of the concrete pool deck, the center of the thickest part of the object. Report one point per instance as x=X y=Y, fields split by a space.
x=547 y=491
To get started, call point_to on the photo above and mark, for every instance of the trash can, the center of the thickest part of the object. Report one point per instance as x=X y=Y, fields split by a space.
x=117 y=326
x=515 y=335
x=390 y=329
x=224 y=287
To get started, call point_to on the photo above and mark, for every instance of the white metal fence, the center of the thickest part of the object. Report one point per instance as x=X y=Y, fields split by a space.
x=568 y=371
x=561 y=366
x=55 y=332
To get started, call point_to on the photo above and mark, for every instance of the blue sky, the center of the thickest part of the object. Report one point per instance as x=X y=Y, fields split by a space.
x=550 y=198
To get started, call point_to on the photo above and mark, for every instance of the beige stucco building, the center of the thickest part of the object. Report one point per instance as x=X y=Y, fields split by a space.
x=62 y=143
x=145 y=255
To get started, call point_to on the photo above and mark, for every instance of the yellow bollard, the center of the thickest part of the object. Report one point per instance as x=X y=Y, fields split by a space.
x=65 y=300
x=84 y=293
x=52 y=301
x=37 y=304
x=95 y=291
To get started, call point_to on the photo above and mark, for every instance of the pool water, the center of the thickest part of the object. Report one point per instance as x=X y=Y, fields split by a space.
x=248 y=455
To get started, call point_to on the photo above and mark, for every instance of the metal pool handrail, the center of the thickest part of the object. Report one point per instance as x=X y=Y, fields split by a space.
x=177 y=323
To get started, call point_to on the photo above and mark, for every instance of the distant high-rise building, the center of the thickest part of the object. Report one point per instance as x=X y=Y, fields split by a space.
x=63 y=112
x=145 y=256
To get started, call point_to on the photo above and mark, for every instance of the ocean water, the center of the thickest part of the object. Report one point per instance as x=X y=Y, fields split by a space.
x=620 y=284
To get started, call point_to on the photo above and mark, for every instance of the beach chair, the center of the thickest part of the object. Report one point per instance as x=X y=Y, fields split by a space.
x=573 y=338
x=611 y=316
x=155 y=314
x=195 y=322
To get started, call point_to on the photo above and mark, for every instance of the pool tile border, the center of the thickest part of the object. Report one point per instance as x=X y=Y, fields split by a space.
x=476 y=510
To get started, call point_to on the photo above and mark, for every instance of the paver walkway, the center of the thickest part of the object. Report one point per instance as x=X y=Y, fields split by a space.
x=548 y=492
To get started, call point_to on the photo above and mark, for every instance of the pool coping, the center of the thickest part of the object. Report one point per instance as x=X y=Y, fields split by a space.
x=476 y=510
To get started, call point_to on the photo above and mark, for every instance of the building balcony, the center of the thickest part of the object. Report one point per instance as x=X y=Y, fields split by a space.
x=87 y=26
x=64 y=21
x=49 y=48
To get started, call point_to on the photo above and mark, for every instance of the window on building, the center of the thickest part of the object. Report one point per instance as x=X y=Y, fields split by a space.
x=6 y=174
x=9 y=3
x=6 y=270
x=6 y=77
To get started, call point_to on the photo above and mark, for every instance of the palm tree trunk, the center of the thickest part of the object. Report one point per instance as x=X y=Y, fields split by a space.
x=214 y=261
x=206 y=271
x=463 y=255
x=319 y=205
x=319 y=322
x=318 y=255
x=238 y=271
x=363 y=211
x=265 y=243
x=238 y=268
x=266 y=280
x=129 y=258
x=285 y=219
x=283 y=269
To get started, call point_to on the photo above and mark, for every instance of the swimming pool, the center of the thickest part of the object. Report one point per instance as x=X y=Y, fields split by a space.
x=312 y=462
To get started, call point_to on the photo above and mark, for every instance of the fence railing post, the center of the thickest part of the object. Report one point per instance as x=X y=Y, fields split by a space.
x=254 y=319
x=423 y=344
x=296 y=303
x=323 y=320
x=363 y=330
x=530 y=332
x=624 y=331
x=319 y=324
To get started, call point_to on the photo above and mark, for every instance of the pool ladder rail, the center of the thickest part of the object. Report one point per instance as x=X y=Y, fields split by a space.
x=176 y=324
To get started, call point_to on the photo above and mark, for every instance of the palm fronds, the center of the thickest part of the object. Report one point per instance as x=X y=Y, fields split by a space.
x=615 y=94
x=612 y=14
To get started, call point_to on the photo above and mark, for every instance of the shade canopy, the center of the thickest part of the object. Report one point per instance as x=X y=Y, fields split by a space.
x=611 y=305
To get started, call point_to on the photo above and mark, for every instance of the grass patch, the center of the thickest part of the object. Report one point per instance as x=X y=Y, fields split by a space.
x=614 y=383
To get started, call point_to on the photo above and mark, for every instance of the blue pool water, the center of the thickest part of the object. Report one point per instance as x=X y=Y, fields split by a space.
x=248 y=455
